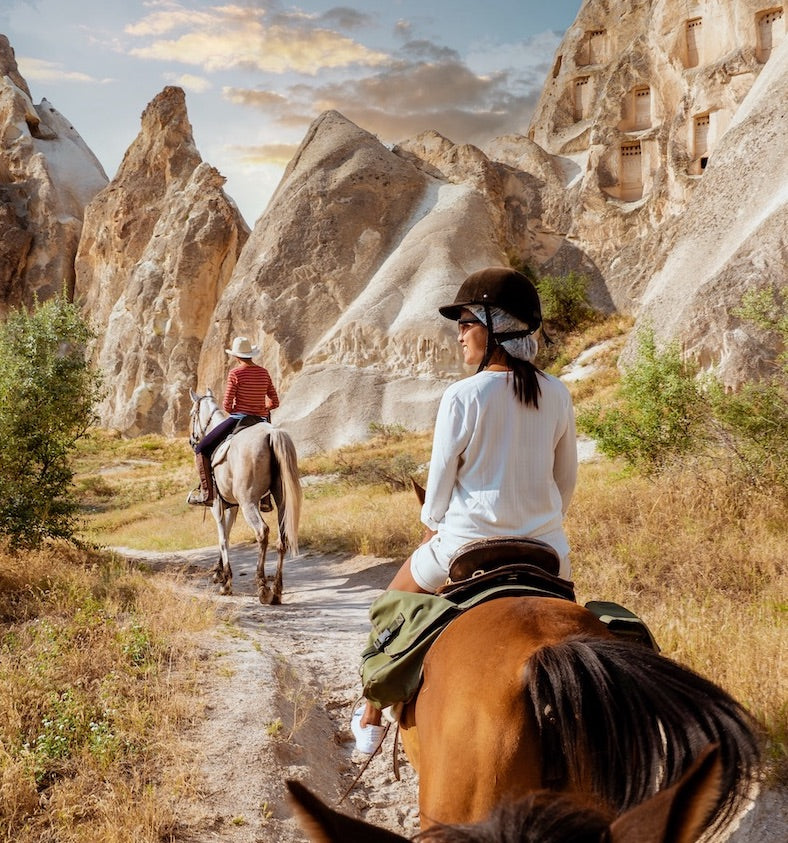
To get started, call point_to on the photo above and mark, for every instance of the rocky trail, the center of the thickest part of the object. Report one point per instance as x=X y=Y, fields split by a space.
x=279 y=691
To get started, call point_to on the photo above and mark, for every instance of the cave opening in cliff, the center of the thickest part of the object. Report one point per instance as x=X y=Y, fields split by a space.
x=770 y=31
x=694 y=29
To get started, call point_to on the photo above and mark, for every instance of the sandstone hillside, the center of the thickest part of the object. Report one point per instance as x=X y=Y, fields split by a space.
x=654 y=163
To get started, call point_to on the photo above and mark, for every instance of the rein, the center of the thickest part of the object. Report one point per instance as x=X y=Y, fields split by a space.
x=198 y=428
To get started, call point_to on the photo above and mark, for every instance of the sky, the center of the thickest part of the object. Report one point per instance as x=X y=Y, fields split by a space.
x=257 y=72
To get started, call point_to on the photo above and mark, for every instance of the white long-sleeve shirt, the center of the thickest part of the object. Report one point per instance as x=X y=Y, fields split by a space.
x=499 y=468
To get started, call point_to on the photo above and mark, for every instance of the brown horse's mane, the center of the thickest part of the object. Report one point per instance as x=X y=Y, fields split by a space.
x=631 y=721
x=540 y=817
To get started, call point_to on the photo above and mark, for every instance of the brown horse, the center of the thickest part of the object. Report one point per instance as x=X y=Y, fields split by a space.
x=676 y=814
x=525 y=693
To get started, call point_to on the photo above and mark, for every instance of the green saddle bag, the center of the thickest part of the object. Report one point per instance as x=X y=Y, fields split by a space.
x=404 y=627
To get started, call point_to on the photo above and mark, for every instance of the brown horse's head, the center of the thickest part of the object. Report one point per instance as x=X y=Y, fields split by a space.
x=675 y=815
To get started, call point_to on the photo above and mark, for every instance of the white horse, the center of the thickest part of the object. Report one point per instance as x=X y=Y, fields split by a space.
x=257 y=459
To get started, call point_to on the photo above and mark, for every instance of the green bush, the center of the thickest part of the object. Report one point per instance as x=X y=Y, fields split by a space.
x=660 y=411
x=663 y=411
x=752 y=427
x=752 y=424
x=564 y=300
x=48 y=392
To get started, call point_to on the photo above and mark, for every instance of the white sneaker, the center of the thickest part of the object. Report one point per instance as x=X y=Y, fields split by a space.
x=368 y=738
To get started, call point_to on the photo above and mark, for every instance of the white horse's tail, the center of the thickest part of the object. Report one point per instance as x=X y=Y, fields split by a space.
x=285 y=455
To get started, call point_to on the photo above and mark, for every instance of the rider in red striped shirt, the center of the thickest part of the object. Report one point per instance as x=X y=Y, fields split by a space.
x=249 y=392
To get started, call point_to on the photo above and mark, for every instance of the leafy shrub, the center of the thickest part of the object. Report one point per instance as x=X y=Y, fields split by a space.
x=564 y=300
x=47 y=394
x=660 y=411
x=752 y=428
x=663 y=411
x=752 y=424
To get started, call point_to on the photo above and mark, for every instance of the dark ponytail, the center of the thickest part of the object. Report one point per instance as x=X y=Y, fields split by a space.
x=526 y=380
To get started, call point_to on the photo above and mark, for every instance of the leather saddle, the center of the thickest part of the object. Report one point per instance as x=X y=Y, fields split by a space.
x=506 y=560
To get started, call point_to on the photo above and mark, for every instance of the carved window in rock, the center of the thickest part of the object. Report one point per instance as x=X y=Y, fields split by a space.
x=581 y=94
x=770 y=31
x=592 y=48
x=596 y=46
x=642 y=107
x=700 y=139
x=694 y=31
x=631 y=172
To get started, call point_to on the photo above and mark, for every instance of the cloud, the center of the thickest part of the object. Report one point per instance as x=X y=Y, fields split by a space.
x=227 y=37
x=42 y=70
x=343 y=17
x=255 y=98
x=405 y=100
x=198 y=84
x=426 y=86
x=278 y=154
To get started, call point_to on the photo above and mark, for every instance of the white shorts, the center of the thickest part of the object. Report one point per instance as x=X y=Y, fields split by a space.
x=429 y=563
x=429 y=566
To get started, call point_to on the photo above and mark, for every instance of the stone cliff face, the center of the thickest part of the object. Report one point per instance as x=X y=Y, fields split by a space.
x=47 y=176
x=655 y=164
x=734 y=237
x=158 y=247
x=674 y=152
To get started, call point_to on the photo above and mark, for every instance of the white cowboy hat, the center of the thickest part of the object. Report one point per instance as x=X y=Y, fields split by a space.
x=242 y=348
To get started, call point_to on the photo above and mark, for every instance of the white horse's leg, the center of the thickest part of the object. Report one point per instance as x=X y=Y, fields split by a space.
x=261 y=530
x=225 y=518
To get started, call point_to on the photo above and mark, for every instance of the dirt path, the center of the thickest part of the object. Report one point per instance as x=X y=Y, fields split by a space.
x=279 y=693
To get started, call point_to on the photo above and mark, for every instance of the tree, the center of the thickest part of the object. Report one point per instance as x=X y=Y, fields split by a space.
x=564 y=300
x=48 y=392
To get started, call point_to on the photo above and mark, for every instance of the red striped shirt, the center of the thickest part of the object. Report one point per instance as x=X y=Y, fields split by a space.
x=246 y=391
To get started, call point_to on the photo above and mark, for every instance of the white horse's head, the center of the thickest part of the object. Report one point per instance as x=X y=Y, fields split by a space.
x=204 y=407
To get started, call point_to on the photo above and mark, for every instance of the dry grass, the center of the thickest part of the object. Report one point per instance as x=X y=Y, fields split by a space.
x=710 y=583
x=95 y=666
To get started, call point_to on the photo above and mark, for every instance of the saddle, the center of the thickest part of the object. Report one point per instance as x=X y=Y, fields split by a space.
x=505 y=560
x=405 y=625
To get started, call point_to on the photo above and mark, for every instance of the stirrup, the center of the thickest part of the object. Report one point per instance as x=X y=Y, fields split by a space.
x=196 y=498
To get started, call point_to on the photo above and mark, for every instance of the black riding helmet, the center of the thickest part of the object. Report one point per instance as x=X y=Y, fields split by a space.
x=507 y=289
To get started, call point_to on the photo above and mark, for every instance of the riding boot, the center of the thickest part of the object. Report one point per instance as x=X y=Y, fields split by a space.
x=265 y=503
x=202 y=496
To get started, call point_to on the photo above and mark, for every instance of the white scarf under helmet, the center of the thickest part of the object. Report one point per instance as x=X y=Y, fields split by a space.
x=521 y=348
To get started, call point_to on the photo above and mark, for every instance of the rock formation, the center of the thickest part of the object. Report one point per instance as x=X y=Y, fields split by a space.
x=648 y=108
x=47 y=176
x=734 y=237
x=339 y=283
x=158 y=247
x=654 y=164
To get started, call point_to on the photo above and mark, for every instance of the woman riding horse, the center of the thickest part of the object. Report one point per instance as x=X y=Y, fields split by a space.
x=504 y=454
x=249 y=392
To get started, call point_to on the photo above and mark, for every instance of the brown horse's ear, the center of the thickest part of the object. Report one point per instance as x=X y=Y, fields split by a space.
x=324 y=825
x=419 y=490
x=679 y=813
